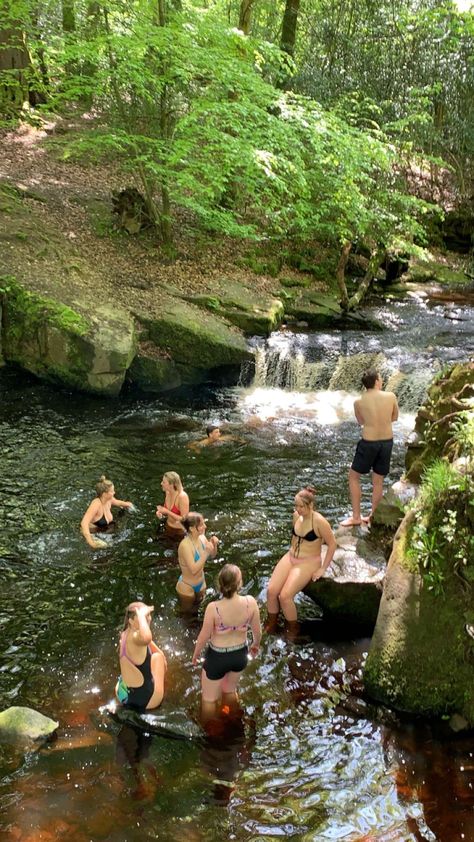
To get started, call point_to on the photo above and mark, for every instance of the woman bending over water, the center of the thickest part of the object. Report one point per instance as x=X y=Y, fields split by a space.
x=176 y=505
x=303 y=562
x=142 y=664
x=99 y=517
x=193 y=552
x=225 y=627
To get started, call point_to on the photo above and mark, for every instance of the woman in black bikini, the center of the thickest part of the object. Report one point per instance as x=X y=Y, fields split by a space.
x=142 y=664
x=193 y=552
x=99 y=517
x=303 y=562
x=176 y=505
x=225 y=627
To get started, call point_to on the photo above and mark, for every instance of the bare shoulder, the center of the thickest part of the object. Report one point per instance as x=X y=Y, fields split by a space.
x=322 y=522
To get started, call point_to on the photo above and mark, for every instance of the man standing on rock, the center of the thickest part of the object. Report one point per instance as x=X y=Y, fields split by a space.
x=375 y=411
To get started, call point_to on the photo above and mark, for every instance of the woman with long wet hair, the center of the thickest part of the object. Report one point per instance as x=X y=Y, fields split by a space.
x=176 y=504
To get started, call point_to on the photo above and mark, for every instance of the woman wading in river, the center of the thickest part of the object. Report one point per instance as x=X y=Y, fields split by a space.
x=225 y=628
x=193 y=552
x=99 y=517
x=142 y=664
x=176 y=504
x=303 y=562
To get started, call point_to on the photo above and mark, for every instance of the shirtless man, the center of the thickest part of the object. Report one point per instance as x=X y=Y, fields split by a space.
x=375 y=411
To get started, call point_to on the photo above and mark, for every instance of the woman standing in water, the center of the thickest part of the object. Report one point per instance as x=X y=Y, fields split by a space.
x=225 y=627
x=142 y=664
x=303 y=562
x=193 y=552
x=99 y=517
x=176 y=505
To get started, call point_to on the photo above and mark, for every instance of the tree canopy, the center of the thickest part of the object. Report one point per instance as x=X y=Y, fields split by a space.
x=303 y=123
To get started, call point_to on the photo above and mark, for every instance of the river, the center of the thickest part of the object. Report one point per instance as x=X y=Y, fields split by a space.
x=298 y=764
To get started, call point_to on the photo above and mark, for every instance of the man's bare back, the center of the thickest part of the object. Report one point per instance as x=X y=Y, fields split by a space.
x=375 y=412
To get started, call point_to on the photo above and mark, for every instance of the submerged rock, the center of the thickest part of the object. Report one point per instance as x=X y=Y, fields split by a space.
x=351 y=589
x=175 y=725
x=23 y=724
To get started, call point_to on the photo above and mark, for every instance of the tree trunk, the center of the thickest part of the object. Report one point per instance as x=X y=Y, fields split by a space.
x=16 y=70
x=245 y=14
x=288 y=30
x=340 y=273
x=375 y=260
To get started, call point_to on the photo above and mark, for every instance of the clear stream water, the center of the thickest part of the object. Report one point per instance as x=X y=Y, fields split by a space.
x=298 y=764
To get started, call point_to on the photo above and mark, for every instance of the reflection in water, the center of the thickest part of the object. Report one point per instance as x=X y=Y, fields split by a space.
x=304 y=761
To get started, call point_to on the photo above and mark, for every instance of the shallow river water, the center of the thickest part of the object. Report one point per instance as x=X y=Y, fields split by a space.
x=298 y=764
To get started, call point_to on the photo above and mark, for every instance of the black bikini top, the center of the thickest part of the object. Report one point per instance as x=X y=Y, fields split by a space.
x=310 y=536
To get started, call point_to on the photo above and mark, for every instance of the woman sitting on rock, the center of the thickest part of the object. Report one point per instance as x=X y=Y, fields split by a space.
x=99 y=517
x=225 y=628
x=303 y=562
x=142 y=664
x=193 y=552
x=176 y=504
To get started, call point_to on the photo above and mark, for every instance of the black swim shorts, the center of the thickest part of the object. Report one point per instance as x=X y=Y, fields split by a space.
x=218 y=662
x=373 y=455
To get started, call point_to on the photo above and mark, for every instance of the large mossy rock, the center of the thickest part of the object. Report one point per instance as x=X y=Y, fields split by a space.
x=61 y=343
x=450 y=395
x=193 y=337
x=253 y=311
x=349 y=593
x=426 y=270
x=22 y=724
x=318 y=310
x=421 y=659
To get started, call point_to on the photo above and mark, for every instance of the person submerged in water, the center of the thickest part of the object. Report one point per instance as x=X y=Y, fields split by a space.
x=99 y=517
x=214 y=435
x=193 y=552
x=303 y=562
x=142 y=664
x=176 y=504
x=224 y=629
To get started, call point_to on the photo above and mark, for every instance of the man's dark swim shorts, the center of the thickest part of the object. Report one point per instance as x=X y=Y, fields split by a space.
x=373 y=455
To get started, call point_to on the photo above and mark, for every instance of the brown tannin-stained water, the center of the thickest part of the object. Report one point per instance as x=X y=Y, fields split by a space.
x=300 y=763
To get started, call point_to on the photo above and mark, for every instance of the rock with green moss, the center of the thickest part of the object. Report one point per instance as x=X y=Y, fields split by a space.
x=154 y=371
x=22 y=724
x=62 y=344
x=421 y=659
x=319 y=310
x=194 y=337
x=254 y=312
x=449 y=400
x=422 y=271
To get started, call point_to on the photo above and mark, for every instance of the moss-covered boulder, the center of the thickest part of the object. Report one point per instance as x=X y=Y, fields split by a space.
x=319 y=310
x=154 y=371
x=254 y=312
x=22 y=724
x=61 y=343
x=349 y=593
x=441 y=271
x=421 y=658
x=449 y=398
x=194 y=337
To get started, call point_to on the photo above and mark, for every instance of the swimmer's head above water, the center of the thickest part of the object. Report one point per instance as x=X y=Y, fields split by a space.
x=104 y=486
x=213 y=432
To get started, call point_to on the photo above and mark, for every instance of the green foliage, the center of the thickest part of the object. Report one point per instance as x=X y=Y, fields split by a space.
x=441 y=541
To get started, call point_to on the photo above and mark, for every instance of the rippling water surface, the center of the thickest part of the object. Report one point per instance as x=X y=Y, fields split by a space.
x=303 y=762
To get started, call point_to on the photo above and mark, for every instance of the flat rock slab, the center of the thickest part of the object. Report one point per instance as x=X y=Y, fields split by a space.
x=351 y=589
x=174 y=725
x=22 y=724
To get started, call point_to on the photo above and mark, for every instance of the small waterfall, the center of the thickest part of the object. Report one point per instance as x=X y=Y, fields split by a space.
x=291 y=363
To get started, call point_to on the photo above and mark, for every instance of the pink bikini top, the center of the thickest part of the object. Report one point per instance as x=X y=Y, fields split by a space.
x=221 y=627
